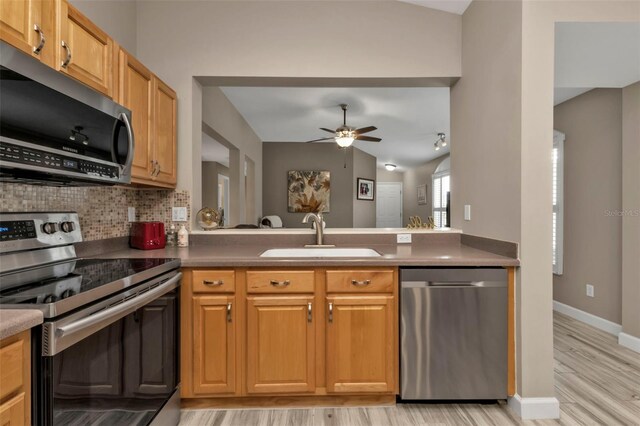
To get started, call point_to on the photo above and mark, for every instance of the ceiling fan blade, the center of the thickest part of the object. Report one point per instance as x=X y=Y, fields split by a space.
x=318 y=140
x=327 y=130
x=368 y=139
x=366 y=130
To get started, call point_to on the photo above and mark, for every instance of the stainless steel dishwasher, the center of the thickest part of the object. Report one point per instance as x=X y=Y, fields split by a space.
x=453 y=333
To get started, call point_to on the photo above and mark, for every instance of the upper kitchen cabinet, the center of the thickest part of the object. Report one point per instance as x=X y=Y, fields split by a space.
x=84 y=51
x=29 y=26
x=153 y=109
x=136 y=93
x=164 y=133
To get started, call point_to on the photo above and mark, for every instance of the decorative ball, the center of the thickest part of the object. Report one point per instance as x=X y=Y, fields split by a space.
x=208 y=218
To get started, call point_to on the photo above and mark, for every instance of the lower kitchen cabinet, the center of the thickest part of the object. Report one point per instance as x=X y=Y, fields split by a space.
x=15 y=380
x=214 y=355
x=281 y=337
x=360 y=344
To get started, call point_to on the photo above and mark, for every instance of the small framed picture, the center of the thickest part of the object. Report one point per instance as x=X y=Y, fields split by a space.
x=422 y=194
x=366 y=189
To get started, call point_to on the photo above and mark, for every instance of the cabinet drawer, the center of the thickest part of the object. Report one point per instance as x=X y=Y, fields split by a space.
x=12 y=412
x=11 y=372
x=214 y=281
x=280 y=282
x=360 y=281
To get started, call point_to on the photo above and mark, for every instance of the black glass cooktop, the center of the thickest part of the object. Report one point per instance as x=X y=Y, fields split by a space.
x=80 y=282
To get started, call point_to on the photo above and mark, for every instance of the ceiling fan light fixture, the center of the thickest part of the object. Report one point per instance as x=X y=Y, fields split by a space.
x=344 y=138
x=390 y=167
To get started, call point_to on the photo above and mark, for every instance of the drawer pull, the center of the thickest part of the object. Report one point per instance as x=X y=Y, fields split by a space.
x=212 y=282
x=309 y=317
x=330 y=312
x=361 y=283
x=277 y=283
x=228 y=312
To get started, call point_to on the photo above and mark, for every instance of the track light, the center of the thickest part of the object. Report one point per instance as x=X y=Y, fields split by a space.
x=441 y=142
x=390 y=167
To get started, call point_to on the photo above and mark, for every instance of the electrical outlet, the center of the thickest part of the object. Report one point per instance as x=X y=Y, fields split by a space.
x=131 y=214
x=179 y=214
x=467 y=212
x=403 y=238
x=590 y=291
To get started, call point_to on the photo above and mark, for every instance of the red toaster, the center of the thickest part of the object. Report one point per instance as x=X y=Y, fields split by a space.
x=147 y=235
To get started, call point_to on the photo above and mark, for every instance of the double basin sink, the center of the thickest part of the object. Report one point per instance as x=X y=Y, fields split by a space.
x=321 y=252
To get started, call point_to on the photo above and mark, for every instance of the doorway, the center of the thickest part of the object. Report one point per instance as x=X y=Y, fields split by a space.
x=389 y=205
x=223 y=197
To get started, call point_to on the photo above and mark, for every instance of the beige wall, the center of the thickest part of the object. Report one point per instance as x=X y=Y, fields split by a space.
x=419 y=175
x=384 y=175
x=631 y=207
x=364 y=211
x=117 y=18
x=232 y=130
x=592 y=124
x=285 y=39
x=280 y=157
x=210 y=172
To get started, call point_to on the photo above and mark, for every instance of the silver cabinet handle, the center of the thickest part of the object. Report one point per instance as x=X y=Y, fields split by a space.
x=66 y=61
x=276 y=283
x=228 y=312
x=38 y=48
x=309 y=317
x=212 y=282
x=330 y=312
x=363 y=282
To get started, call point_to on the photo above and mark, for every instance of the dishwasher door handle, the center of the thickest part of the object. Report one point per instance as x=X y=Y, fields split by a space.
x=452 y=284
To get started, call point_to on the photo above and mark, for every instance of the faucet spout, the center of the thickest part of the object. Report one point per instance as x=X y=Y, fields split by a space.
x=316 y=218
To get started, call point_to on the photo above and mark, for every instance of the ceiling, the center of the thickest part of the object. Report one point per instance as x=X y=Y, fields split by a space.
x=212 y=150
x=454 y=6
x=408 y=119
x=590 y=55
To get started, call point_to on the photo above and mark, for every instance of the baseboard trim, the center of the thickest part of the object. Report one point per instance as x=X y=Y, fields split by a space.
x=593 y=320
x=535 y=408
x=629 y=341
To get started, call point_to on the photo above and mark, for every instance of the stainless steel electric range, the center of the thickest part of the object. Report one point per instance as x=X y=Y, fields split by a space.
x=108 y=351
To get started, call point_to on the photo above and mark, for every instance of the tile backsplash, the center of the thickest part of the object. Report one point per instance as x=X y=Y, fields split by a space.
x=102 y=210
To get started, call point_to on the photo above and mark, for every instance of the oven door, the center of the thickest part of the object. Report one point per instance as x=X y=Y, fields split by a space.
x=118 y=364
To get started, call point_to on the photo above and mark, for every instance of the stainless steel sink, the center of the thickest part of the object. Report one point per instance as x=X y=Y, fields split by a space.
x=321 y=252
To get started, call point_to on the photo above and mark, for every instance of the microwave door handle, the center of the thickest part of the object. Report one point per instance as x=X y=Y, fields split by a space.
x=129 y=160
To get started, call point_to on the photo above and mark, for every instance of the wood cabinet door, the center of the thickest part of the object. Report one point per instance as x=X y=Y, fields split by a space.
x=17 y=18
x=360 y=349
x=12 y=412
x=136 y=93
x=149 y=348
x=214 y=355
x=85 y=52
x=281 y=335
x=164 y=135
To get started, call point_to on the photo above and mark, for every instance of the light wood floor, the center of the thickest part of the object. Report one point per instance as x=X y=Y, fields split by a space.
x=597 y=382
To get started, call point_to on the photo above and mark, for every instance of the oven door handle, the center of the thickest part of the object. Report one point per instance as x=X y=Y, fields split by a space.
x=118 y=311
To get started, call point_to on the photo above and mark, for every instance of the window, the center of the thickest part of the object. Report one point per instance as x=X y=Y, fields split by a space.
x=441 y=187
x=558 y=201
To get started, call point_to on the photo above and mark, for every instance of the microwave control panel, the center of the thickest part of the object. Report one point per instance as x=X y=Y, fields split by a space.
x=48 y=160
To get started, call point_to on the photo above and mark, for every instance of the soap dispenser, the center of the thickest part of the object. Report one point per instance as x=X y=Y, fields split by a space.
x=183 y=237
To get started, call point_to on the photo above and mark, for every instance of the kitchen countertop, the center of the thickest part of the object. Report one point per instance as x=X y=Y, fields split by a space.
x=392 y=254
x=13 y=321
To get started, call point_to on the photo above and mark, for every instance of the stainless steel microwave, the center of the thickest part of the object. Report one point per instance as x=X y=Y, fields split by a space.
x=56 y=131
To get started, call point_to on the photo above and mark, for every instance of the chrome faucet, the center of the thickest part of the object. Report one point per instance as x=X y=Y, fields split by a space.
x=317 y=219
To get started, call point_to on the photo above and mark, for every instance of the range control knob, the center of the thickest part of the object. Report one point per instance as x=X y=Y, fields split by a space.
x=50 y=228
x=67 y=227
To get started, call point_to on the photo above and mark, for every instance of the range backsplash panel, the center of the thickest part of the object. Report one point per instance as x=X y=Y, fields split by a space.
x=102 y=210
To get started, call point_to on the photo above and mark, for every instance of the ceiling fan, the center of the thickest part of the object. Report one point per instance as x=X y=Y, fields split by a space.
x=345 y=135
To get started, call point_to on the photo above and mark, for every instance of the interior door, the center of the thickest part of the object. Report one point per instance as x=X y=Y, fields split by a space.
x=389 y=205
